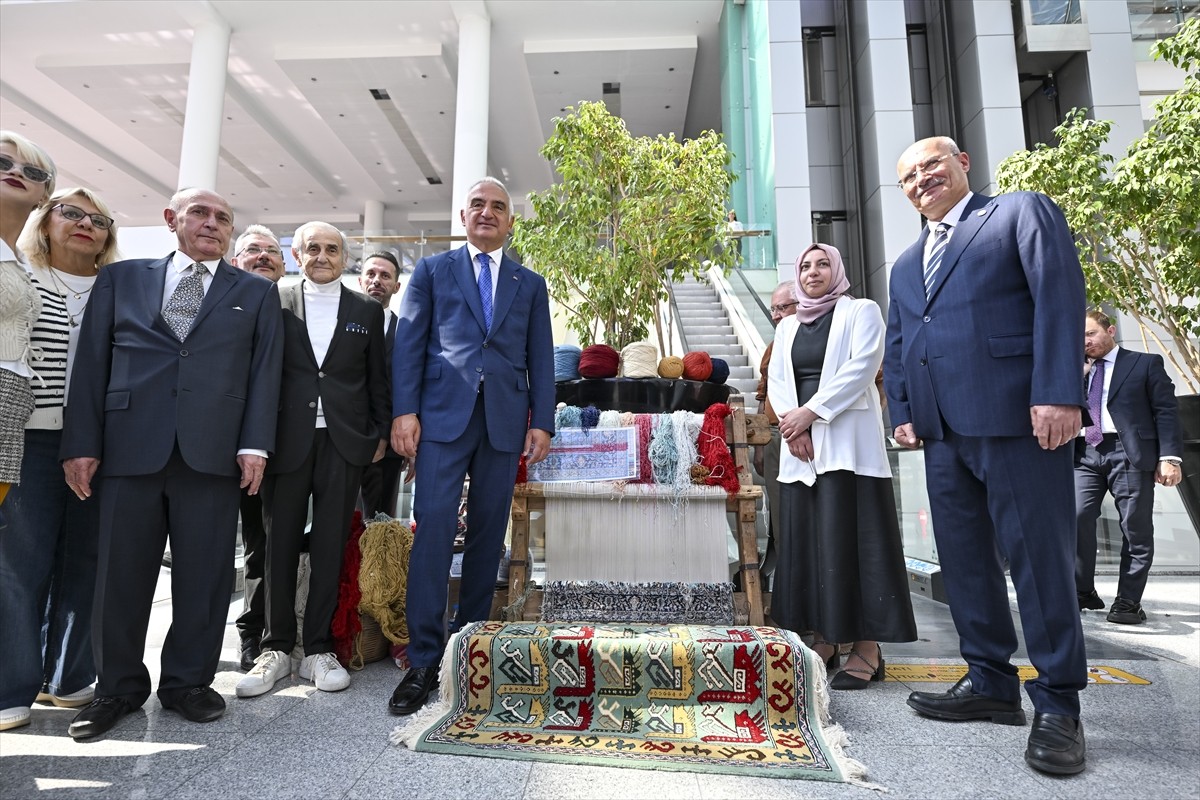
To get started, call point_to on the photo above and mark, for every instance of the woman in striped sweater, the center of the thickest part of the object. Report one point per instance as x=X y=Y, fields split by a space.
x=48 y=552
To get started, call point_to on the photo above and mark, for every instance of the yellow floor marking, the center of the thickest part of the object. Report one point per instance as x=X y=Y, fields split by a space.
x=950 y=673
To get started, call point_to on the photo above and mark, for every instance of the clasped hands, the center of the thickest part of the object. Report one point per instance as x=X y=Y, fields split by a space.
x=795 y=426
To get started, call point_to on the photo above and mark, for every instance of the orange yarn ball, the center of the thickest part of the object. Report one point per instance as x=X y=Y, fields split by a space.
x=671 y=367
x=697 y=366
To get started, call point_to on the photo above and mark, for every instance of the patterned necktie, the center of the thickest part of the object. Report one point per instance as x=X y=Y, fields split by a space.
x=1094 y=433
x=940 y=238
x=485 y=288
x=185 y=302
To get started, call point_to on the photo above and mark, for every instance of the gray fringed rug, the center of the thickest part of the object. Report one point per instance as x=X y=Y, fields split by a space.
x=653 y=603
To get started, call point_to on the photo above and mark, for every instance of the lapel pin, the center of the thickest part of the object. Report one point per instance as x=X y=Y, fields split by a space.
x=981 y=212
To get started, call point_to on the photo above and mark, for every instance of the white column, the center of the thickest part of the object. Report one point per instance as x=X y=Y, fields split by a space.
x=471 y=110
x=372 y=223
x=201 y=146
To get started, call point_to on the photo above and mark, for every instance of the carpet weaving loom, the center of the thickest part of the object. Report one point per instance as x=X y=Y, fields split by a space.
x=717 y=699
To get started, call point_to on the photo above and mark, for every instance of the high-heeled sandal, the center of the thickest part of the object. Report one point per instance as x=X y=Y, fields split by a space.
x=834 y=659
x=849 y=678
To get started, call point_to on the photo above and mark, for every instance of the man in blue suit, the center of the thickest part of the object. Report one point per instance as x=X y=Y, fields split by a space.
x=173 y=406
x=473 y=389
x=1133 y=442
x=982 y=365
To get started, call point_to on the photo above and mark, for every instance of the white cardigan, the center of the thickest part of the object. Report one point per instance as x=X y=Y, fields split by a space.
x=849 y=434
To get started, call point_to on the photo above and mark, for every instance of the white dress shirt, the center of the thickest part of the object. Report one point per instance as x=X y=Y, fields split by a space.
x=321 y=301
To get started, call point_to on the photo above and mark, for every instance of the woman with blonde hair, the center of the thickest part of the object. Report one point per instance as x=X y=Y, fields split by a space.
x=48 y=552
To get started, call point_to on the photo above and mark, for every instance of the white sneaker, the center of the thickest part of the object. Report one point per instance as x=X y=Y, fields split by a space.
x=325 y=671
x=73 y=700
x=269 y=667
x=15 y=717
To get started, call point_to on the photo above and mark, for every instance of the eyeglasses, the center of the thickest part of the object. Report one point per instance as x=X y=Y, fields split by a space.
x=927 y=168
x=35 y=174
x=75 y=213
x=254 y=250
x=779 y=309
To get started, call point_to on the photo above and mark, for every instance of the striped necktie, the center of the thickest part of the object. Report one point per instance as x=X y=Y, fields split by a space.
x=485 y=288
x=936 y=253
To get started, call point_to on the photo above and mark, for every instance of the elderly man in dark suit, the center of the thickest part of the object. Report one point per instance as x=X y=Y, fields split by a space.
x=333 y=421
x=472 y=388
x=1134 y=441
x=380 y=280
x=257 y=250
x=173 y=407
x=982 y=363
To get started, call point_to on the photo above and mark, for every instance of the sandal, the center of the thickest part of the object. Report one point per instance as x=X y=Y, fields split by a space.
x=834 y=659
x=849 y=677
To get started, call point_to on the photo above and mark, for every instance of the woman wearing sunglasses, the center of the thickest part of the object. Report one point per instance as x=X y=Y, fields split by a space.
x=26 y=181
x=48 y=553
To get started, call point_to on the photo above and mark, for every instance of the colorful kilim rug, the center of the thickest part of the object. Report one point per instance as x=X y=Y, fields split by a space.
x=724 y=699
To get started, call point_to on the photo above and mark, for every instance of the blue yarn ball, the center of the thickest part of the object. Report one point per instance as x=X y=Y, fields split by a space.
x=720 y=371
x=566 y=362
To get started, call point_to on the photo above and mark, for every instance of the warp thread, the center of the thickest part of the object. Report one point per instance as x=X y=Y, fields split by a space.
x=599 y=361
x=670 y=367
x=566 y=362
x=383 y=576
x=639 y=360
x=714 y=450
x=720 y=371
x=697 y=366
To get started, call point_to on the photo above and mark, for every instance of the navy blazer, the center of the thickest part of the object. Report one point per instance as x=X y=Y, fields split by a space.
x=351 y=382
x=136 y=390
x=1001 y=330
x=445 y=351
x=1141 y=402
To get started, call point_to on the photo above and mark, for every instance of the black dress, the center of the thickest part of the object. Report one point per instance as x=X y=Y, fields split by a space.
x=841 y=561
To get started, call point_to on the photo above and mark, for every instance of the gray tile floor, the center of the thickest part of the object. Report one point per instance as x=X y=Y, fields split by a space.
x=1144 y=741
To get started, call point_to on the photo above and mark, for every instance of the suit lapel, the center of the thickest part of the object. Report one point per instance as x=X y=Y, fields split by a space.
x=974 y=216
x=292 y=299
x=154 y=283
x=464 y=274
x=222 y=282
x=1122 y=366
x=509 y=280
x=339 y=327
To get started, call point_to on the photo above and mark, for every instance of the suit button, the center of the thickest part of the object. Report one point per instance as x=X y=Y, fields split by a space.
x=479 y=369
x=926 y=318
x=312 y=405
x=485 y=345
x=923 y=362
x=183 y=353
x=320 y=374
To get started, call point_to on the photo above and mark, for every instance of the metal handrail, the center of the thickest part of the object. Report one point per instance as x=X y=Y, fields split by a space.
x=753 y=292
x=678 y=319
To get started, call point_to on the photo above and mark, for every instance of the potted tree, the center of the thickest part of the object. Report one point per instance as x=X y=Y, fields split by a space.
x=1137 y=224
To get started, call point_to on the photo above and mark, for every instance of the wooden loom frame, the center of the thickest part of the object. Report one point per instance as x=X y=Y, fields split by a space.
x=741 y=432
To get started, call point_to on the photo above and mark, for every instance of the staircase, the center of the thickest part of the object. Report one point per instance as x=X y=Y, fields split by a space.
x=706 y=326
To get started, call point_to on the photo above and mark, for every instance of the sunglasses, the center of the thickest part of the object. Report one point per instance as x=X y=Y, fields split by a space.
x=35 y=174
x=75 y=213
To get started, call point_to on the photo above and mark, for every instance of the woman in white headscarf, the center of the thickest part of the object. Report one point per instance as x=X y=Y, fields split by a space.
x=840 y=571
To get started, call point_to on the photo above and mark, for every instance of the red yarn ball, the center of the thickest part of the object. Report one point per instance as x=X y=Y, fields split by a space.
x=697 y=366
x=599 y=361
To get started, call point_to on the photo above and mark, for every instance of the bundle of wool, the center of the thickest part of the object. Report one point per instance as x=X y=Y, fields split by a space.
x=609 y=419
x=346 y=623
x=566 y=362
x=720 y=371
x=599 y=361
x=645 y=428
x=383 y=576
x=639 y=360
x=670 y=367
x=697 y=366
x=714 y=451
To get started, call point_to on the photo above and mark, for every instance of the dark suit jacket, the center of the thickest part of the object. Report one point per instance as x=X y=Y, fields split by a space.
x=1001 y=329
x=445 y=351
x=389 y=345
x=350 y=381
x=136 y=389
x=1141 y=402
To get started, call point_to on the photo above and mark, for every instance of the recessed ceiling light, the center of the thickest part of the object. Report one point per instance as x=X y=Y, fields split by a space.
x=555 y=72
x=87 y=86
x=666 y=106
x=229 y=118
x=670 y=69
x=423 y=75
x=314 y=80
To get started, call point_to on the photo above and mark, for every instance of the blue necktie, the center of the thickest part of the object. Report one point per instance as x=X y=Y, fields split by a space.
x=940 y=238
x=1094 y=433
x=485 y=288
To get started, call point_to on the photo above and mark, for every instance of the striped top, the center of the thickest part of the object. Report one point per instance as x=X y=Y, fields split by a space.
x=52 y=342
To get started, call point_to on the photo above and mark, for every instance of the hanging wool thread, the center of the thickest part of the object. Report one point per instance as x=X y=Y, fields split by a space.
x=383 y=576
x=589 y=418
x=670 y=367
x=627 y=418
x=566 y=362
x=599 y=361
x=663 y=456
x=609 y=419
x=567 y=417
x=686 y=427
x=639 y=360
x=720 y=371
x=697 y=366
x=645 y=428
x=714 y=450
x=346 y=623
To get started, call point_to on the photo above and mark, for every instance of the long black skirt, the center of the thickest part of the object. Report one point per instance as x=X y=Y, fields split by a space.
x=841 y=561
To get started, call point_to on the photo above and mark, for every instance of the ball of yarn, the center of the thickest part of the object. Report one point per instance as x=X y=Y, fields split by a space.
x=599 y=361
x=671 y=367
x=566 y=362
x=697 y=366
x=639 y=360
x=720 y=371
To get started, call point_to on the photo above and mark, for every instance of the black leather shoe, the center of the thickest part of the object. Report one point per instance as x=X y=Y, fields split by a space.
x=414 y=690
x=201 y=704
x=1056 y=744
x=960 y=703
x=1126 y=612
x=1089 y=600
x=251 y=649
x=99 y=717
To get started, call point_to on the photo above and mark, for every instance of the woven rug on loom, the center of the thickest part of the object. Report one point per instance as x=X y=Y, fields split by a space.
x=653 y=602
x=719 y=699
